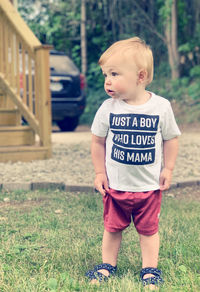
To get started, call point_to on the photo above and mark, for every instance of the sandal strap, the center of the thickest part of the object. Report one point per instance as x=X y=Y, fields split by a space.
x=95 y=274
x=156 y=280
x=111 y=269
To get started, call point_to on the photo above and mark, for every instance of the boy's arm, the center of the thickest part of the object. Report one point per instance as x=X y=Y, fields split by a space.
x=98 y=158
x=170 y=151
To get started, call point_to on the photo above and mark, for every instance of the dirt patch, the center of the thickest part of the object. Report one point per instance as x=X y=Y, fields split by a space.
x=25 y=205
x=191 y=193
x=71 y=137
x=190 y=128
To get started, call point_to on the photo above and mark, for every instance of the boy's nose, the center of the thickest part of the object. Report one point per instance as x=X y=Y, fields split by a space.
x=107 y=81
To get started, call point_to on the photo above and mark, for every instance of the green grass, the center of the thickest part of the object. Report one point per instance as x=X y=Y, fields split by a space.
x=49 y=239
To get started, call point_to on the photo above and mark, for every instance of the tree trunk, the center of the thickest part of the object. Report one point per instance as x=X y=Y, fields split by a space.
x=172 y=45
x=113 y=19
x=83 y=38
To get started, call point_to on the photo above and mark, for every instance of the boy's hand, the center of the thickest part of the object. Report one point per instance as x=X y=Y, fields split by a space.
x=165 y=179
x=101 y=183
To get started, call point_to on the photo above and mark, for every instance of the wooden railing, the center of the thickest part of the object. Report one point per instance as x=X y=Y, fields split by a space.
x=24 y=72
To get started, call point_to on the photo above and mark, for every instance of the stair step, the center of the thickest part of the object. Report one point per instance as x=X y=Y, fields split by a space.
x=16 y=136
x=9 y=117
x=24 y=153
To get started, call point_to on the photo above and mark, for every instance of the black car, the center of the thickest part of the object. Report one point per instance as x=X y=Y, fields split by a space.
x=67 y=86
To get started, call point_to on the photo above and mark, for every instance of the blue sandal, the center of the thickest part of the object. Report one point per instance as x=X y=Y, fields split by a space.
x=156 y=280
x=96 y=275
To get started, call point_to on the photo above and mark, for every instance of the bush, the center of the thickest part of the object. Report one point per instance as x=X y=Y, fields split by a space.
x=95 y=93
x=183 y=90
x=95 y=98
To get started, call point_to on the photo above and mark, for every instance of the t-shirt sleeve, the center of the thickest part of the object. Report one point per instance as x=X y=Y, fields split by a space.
x=100 y=123
x=169 y=126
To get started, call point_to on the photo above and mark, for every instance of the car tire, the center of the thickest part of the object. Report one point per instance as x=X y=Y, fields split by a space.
x=68 y=124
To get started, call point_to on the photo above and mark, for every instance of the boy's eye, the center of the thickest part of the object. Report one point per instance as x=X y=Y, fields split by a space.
x=114 y=73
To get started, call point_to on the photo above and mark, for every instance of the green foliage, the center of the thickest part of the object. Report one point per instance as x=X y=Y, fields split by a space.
x=58 y=23
x=195 y=71
x=182 y=90
x=76 y=55
x=185 y=48
x=95 y=93
x=194 y=91
x=165 y=10
x=95 y=98
x=95 y=78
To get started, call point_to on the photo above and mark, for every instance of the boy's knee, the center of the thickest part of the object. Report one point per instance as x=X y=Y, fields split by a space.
x=113 y=233
x=149 y=236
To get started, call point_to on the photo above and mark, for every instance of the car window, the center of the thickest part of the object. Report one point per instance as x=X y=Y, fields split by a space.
x=62 y=65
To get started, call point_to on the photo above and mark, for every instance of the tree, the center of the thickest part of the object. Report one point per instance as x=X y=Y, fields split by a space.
x=172 y=38
x=83 y=38
x=64 y=25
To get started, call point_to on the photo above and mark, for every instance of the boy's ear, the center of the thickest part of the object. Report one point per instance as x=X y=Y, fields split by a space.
x=142 y=76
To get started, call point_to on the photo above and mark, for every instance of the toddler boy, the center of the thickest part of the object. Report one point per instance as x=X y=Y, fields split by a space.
x=130 y=132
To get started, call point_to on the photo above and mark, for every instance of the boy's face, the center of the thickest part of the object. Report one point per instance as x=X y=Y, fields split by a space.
x=121 y=77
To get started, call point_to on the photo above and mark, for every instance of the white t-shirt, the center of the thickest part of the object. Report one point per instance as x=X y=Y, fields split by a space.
x=134 y=136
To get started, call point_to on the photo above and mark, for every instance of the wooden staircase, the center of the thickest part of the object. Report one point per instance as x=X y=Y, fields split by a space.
x=18 y=142
x=25 y=105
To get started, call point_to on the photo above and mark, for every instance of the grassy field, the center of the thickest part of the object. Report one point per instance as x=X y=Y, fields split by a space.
x=49 y=239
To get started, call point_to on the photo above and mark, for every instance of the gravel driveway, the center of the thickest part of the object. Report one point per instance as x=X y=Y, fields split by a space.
x=71 y=161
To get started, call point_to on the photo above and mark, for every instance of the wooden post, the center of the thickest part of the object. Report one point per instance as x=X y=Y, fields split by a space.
x=43 y=98
x=15 y=3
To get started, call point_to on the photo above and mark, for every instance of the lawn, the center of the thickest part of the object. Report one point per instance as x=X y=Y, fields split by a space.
x=49 y=239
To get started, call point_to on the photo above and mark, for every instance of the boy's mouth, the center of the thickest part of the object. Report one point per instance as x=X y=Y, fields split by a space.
x=110 y=91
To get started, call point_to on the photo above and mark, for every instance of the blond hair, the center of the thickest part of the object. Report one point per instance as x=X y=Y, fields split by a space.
x=140 y=52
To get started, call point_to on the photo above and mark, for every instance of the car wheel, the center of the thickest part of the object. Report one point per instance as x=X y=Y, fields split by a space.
x=68 y=124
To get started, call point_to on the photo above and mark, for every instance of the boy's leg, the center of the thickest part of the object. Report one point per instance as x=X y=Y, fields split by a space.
x=110 y=248
x=150 y=251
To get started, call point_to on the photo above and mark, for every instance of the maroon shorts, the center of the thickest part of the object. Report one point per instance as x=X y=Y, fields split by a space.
x=144 y=208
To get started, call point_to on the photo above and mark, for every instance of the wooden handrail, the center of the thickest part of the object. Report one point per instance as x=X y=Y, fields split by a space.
x=24 y=71
x=22 y=107
x=19 y=25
